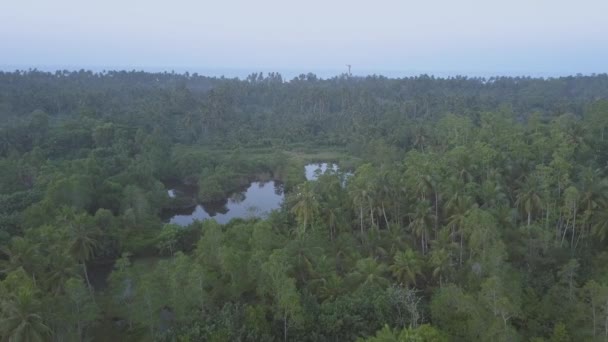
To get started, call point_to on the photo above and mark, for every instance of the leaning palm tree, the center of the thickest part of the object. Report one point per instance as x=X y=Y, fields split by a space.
x=19 y=320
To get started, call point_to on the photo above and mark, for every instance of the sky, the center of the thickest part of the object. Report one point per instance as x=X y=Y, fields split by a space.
x=441 y=37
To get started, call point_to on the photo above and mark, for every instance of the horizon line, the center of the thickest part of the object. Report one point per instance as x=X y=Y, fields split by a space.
x=244 y=71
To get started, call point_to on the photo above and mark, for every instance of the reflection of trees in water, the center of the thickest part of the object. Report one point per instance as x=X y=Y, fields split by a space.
x=238 y=197
x=253 y=211
x=279 y=188
x=261 y=184
x=318 y=172
x=186 y=204
x=214 y=208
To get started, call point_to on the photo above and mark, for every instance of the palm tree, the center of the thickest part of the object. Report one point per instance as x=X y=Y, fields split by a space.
x=460 y=209
x=359 y=197
x=599 y=226
x=330 y=189
x=306 y=206
x=491 y=194
x=440 y=261
x=385 y=190
x=406 y=267
x=422 y=219
x=594 y=189
x=330 y=287
x=362 y=191
x=394 y=239
x=331 y=216
x=571 y=200
x=19 y=320
x=21 y=253
x=82 y=242
x=420 y=139
x=369 y=272
x=529 y=197
x=64 y=268
x=593 y=197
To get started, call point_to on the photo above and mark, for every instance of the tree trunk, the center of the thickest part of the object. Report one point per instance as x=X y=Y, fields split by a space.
x=573 y=229
x=285 y=327
x=436 y=214
x=606 y=323
x=384 y=213
x=422 y=243
x=78 y=324
x=361 y=217
x=461 y=238
x=593 y=310
x=565 y=230
x=371 y=215
x=86 y=277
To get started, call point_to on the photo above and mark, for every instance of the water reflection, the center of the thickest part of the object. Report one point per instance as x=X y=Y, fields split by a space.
x=258 y=200
x=313 y=171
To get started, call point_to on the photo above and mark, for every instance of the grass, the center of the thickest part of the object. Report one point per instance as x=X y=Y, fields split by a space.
x=300 y=155
x=338 y=156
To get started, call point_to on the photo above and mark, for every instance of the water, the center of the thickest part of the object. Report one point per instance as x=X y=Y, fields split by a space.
x=258 y=200
x=314 y=170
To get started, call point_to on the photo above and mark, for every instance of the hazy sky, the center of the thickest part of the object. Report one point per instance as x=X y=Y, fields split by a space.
x=453 y=36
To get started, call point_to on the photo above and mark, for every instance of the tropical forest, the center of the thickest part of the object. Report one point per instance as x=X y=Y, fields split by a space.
x=164 y=206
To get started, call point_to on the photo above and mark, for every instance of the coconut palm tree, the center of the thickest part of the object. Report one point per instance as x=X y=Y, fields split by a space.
x=456 y=221
x=21 y=253
x=406 y=267
x=20 y=320
x=329 y=288
x=599 y=226
x=369 y=272
x=386 y=192
x=422 y=219
x=529 y=198
x=306 y=206
x=82 y=242
x=440 y=262
x=491 y=194
x=360 y=198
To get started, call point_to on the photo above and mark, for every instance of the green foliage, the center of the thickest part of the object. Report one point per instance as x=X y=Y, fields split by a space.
x=470 y=210
x=424 y=333
x=20 y=317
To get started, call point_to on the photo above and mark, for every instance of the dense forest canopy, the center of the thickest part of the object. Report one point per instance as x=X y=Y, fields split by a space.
x=473 y=209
